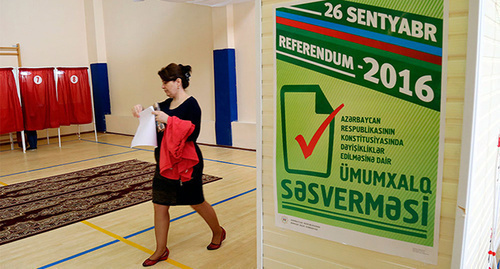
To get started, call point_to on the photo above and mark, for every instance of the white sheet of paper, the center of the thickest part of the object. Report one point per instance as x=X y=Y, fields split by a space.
x=146 y=132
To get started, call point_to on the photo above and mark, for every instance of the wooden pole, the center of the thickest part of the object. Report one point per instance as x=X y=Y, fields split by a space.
x=18 y=49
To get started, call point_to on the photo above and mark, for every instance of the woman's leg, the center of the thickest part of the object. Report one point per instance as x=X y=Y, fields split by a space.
x=162 y=224
x=207 y=212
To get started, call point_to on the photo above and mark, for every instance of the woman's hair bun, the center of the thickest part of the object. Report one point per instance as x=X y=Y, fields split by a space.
x=186 y=70
x=174 y=71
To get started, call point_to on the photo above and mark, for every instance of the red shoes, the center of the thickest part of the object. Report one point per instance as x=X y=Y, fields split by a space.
x=149 y=262
x=213 y=246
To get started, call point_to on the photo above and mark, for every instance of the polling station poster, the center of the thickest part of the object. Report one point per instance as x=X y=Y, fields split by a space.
x=359 y=122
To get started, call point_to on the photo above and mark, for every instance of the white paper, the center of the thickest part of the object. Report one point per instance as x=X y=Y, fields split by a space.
x=146 y=132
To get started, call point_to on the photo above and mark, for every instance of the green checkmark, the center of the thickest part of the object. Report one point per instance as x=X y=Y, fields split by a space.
x=308 y=109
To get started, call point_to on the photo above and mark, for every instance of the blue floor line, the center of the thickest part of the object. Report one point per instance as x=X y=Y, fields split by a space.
x=191 y=213
x=105 y=143
x=79 y=254
x=131 y=150
x=43 y=168
x=137 y=233
x=212 y=160
x=238 y=164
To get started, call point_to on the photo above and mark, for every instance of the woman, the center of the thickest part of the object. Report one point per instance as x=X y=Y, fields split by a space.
x=173 y=191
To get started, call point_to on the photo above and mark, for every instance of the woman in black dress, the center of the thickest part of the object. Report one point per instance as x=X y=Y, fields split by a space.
x=172 y=191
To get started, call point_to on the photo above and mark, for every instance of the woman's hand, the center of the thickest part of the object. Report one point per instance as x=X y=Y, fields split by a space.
x=160 y=116
x=136 y=110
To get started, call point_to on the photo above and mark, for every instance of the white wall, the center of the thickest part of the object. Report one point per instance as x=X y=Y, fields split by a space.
x=244 y=32
x=143 y=37
x=244 y=134
x=479 y=152
x=50 y=33
x=139 y=38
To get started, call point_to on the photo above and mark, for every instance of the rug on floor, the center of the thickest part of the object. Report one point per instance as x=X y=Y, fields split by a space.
x=40 y=205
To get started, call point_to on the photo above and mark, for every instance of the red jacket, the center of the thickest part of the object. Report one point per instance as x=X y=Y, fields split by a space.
x=177 y=156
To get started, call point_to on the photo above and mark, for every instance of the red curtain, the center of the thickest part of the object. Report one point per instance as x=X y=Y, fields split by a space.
x=74 y=95
x=11 y=114
x=38 y=94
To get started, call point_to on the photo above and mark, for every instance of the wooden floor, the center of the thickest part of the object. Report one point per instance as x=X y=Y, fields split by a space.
x=124 y=238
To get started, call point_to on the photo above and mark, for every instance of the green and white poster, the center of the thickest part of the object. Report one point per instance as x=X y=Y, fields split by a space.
x=359 y=122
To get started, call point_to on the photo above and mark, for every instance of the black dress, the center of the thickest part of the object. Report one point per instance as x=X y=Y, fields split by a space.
x=171 y=191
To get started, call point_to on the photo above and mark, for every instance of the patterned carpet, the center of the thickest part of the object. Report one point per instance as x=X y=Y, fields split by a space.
x=41 y=205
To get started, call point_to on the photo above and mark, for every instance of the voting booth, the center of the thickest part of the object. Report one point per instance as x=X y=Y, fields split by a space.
x=45 y=97
x=39 y=98
x=11 y=114
x=74 y=95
